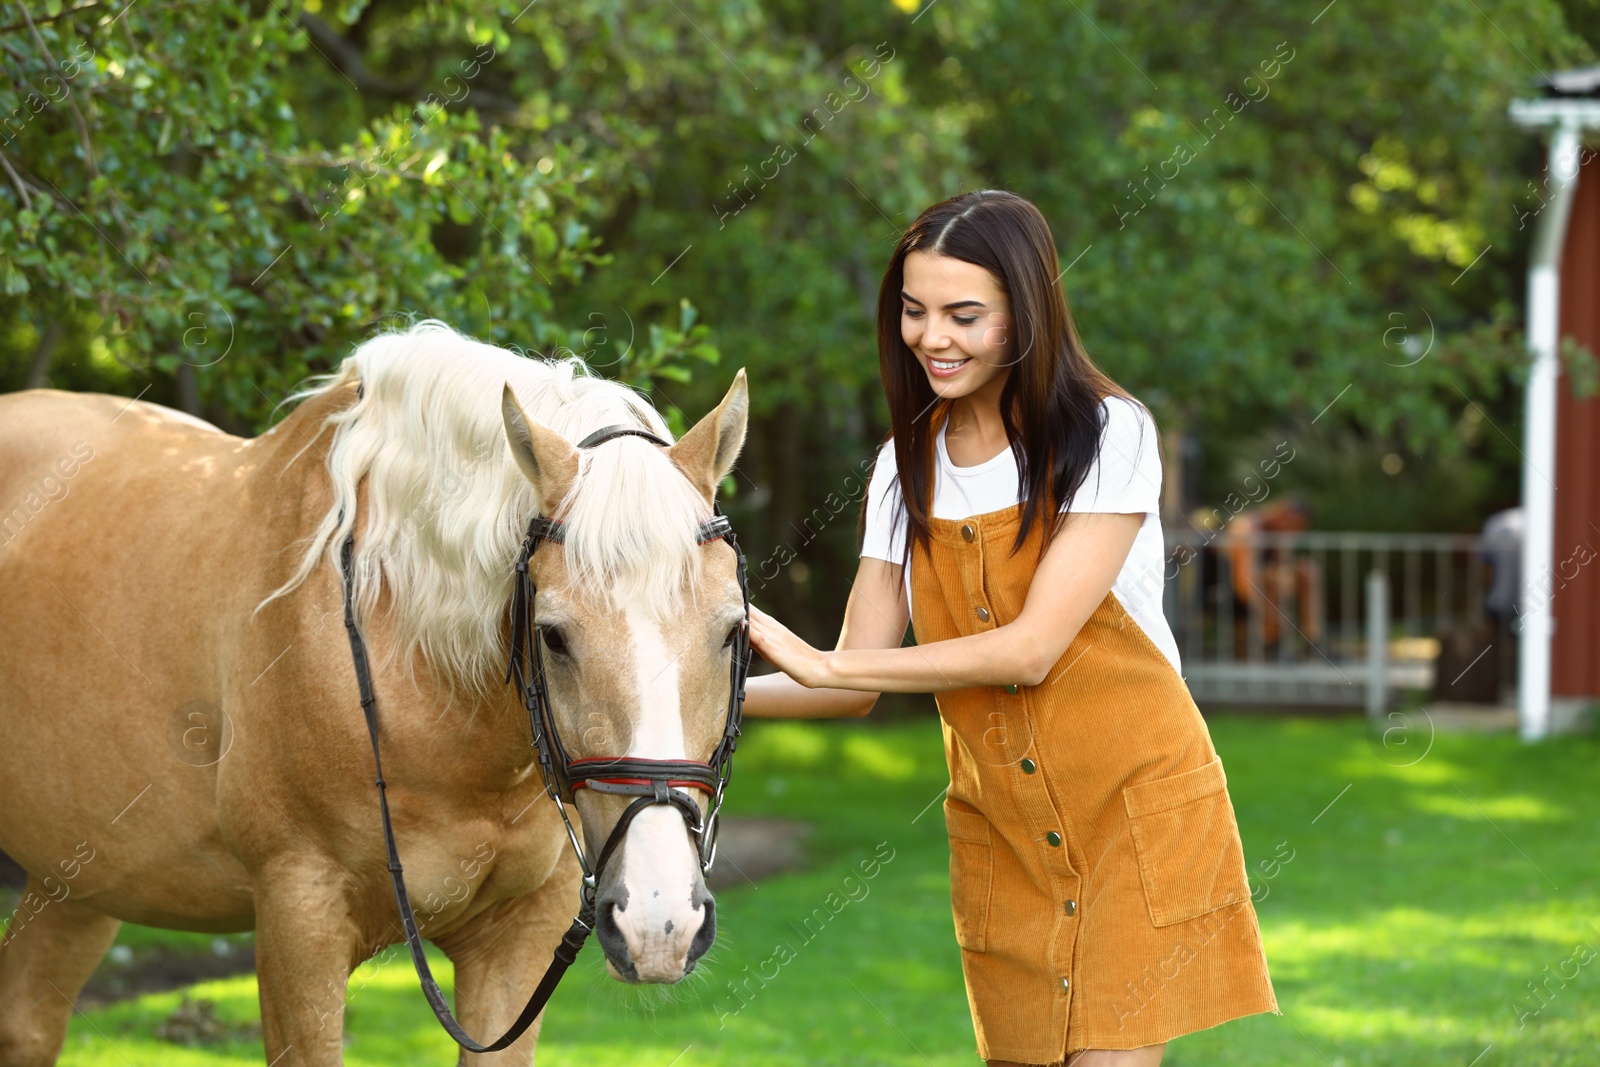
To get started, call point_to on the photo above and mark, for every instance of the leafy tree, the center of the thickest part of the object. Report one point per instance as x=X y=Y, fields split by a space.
x=219 y=204
x=1275 y=222
x=1272 y=215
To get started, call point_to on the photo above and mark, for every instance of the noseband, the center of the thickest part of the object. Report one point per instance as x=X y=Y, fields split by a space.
x=649 y=781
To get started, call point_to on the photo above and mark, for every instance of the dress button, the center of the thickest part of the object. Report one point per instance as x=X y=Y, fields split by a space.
x=1012 y=688
x=1066 y=985
x=983 y=614
x=1028 y=766
x=1054 y=838
x=966 y=531
x=1071 y=907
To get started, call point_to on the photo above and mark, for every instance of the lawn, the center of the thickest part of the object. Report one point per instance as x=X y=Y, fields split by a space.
x=1419 y=887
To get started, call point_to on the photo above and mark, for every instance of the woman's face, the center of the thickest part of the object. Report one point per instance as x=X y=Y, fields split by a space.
x=956 y=320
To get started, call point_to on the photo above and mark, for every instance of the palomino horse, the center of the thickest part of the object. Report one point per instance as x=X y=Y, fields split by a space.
x=181 y=741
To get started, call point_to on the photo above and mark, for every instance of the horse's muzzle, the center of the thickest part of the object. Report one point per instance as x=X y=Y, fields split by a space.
x=644 y=944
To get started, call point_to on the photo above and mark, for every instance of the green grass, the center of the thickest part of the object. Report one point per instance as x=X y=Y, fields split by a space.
x=1403 y=930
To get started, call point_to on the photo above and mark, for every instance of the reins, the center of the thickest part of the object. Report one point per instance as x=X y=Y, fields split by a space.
x=650 y=781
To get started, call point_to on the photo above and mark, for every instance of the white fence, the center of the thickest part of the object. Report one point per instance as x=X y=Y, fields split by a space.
x=1328 y=618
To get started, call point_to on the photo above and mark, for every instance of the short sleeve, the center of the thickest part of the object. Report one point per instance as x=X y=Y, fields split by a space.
x=1126 y=475
x=884 y=538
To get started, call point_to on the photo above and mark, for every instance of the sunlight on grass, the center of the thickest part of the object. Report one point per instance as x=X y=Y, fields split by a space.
x=125 y=1033
x=1509 y=808
x=795 y=744
x=1405 y=930
x=1389 y=1024
x=1375 y=760
x=878 y=757
x=1409 y=934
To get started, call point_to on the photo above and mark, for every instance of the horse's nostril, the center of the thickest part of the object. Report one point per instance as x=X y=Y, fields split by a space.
x=606 y=926
x=705 y=935
x=612 y=942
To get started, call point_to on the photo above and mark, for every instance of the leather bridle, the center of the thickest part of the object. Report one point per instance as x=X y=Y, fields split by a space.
x=649 y=781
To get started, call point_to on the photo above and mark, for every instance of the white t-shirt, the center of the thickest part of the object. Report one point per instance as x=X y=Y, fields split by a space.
x=1125 y=479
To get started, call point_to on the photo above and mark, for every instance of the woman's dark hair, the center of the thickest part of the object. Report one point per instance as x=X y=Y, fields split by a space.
x=1050 y=404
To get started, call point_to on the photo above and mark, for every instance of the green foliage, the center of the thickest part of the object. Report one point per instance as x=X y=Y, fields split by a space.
x=1255 y=194
x=1266 y=211
x=1269 y=217
x=205 y=193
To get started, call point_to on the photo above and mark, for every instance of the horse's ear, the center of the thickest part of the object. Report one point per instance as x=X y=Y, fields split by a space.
x=547 y=459
x=711 y=447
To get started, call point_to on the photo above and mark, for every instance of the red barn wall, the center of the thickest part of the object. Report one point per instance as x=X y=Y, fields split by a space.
x=1575 y=655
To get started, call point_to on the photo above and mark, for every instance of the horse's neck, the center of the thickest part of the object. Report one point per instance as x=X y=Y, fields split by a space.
x=285 y=490
x=294 y=453
x=468 y=732
x=480 y=737
x=444 y=602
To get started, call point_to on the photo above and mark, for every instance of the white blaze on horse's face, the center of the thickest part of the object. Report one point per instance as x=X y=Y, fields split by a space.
x=659 y=904
x=628 y=678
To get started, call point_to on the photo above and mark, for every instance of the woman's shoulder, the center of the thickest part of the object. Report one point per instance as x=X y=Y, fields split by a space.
x=883 y=524
x=885 y=466
x=884 y=472
x=1129 y=429
x=1126 y=473
x=1126 y=414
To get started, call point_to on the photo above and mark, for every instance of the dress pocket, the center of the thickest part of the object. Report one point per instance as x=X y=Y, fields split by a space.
x=1187 y=840
x=971 y=873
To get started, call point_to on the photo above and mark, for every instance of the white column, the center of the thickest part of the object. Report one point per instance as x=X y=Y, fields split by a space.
x=1539 y=438
x=1377 y=646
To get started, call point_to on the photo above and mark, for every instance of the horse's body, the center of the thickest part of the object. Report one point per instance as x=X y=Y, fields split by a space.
x=173 y=756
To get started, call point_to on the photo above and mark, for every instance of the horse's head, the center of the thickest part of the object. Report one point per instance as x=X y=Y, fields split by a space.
x=638 y=622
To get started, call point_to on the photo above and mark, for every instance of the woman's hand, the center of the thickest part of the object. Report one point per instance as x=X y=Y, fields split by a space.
x=873 y=623
x=781 y=648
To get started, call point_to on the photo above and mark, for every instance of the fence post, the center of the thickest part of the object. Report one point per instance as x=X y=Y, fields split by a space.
x=1377 y=644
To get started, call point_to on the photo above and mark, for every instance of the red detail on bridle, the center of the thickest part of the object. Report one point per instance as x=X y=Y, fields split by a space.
x=581 y=781
x=681 y=783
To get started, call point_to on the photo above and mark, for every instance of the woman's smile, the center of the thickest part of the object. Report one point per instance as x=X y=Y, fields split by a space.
x=946 y=368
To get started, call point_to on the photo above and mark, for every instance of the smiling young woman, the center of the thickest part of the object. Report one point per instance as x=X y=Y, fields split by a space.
x=1098 y=883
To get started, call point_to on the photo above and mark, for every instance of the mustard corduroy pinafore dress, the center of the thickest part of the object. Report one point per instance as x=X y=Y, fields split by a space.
x=1097 y=877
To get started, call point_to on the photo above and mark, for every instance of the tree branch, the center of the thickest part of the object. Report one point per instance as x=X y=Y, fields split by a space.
x=347 y=60
x=16 y=181
x=66 y=87
x=40 y=371
x=68 y=13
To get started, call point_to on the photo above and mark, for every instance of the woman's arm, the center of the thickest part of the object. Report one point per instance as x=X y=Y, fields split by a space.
x=875 y=618
x=1071 y=582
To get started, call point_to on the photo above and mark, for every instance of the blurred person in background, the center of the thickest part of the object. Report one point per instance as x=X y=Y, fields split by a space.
x=1268 y=577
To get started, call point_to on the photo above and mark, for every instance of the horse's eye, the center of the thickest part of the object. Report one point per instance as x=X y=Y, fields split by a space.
x=733 y=635
x=553 y=640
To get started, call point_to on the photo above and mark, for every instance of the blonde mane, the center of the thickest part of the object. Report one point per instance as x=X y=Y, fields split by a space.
x=447 y=507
